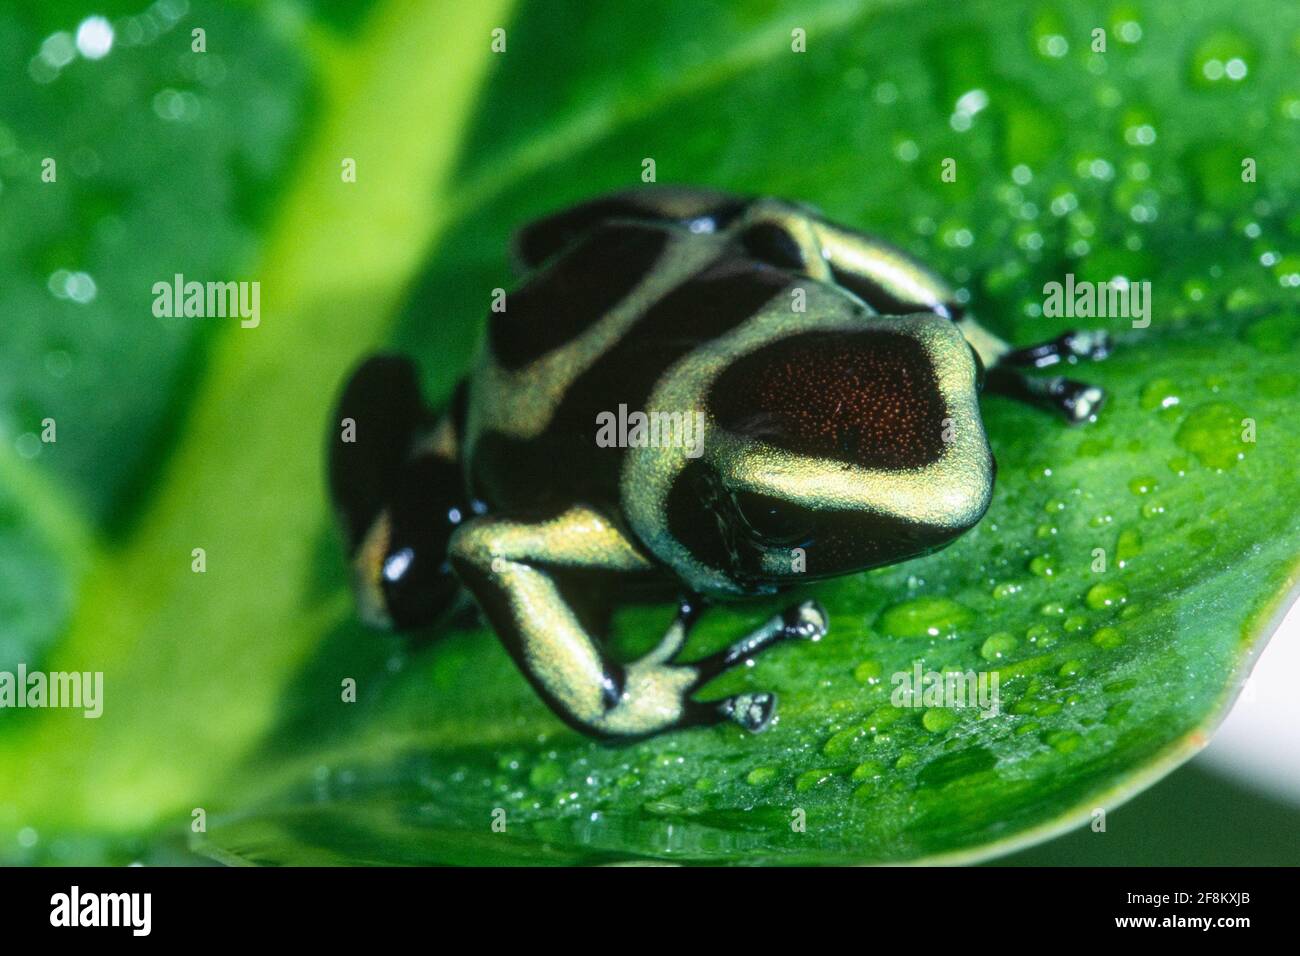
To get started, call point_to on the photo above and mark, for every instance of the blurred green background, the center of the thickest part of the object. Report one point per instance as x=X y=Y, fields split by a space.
x=175 y=434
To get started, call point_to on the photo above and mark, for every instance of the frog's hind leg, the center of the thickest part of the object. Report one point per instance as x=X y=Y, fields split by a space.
x=773 y=231
x=396 y=486
x=511 y=568
x=888 y=279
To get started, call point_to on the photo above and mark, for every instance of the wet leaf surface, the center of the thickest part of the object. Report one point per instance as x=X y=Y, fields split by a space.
x=1110 y=669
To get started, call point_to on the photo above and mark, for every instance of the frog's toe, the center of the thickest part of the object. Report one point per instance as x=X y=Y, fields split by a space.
x=1081 y=402
x=1075 y=401
x=1090 y=344
x=808 y=621
x=751 y=711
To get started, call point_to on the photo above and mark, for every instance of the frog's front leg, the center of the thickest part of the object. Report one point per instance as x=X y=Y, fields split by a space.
x=1091 y=344
x=509 y=567
x=1006 y=369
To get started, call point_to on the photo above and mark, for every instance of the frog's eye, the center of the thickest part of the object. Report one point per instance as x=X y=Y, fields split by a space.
x=773 y=520
x=416 y=579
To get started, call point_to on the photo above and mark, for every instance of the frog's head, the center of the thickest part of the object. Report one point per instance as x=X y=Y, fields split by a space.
x=394 y=496
x=830 y=452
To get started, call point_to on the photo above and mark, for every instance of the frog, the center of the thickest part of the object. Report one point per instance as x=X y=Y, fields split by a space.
x=836 y=380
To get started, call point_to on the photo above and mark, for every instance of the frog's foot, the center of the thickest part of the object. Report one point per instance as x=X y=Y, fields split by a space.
x=753 y=711
x=1075 y=401
x=1090 y=344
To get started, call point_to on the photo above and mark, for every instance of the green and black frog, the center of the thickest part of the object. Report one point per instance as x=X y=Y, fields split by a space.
x=835 y=381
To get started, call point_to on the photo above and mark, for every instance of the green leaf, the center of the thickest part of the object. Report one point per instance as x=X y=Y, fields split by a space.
x=192 y=672
x=223 y=688
x=76 y=278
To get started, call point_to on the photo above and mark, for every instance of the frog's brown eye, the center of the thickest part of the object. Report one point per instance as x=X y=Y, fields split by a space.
x=771 y=519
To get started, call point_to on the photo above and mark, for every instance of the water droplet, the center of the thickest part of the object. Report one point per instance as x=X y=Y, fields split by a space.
x=938 y=719
x=907 y=151
x=176 y=105
x=924 y=616
x=998 y=646
x=1107 y=638
x=868 y=672
x=882 y=717
x=1005 y=589
x=869 y=770
x=1108 y=594
x=94 y=38
x=1158 y=394
x=1153 y=509
x=812 y=778
x=1043 y=565
x=1143 y=485
x=1128 y=31
x=1213 y=434
x=1070 y=670
x=1041 y=635
x=846 y=740
x=1221 y=59
x=1128 y=546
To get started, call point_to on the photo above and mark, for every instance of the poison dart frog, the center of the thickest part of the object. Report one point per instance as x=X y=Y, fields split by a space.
x=837 y=383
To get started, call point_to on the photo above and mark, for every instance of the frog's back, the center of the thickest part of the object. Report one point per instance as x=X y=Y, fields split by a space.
x=592 y=334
